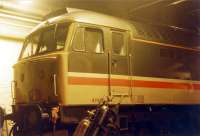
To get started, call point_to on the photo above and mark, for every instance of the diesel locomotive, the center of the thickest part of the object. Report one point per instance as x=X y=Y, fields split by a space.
x=72 y=61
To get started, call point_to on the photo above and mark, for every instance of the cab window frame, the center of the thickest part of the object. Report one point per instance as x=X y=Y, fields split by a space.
x=67 y=25
x=24 y=48
x=40 y=33
x=102 y=36
x=29 y=39
x=46 y=28
x=83 y=42
x=125 y=41
x=55 y=29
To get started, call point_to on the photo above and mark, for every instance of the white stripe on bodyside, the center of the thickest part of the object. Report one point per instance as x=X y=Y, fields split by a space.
x=94 y=75
x=97 y=75
x=164 y=79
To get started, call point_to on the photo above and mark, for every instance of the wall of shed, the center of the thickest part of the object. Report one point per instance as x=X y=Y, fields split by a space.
x=9 y=52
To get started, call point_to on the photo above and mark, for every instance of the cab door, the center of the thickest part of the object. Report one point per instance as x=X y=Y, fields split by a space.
x=120 y=83
x=88 y=65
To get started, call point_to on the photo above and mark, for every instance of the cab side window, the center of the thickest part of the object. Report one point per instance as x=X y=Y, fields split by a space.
x=93 y=40
x=118 y=44
x=88 y=40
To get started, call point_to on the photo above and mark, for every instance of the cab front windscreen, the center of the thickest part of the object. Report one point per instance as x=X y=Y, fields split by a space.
x=45 y=40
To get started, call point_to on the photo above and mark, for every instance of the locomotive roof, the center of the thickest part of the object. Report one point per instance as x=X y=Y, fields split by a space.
x=154 y=32
x=90 y=17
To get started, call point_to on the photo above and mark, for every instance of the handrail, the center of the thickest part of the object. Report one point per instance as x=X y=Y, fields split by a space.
x=55 y=85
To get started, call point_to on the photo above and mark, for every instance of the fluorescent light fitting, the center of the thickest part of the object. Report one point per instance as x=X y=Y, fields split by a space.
x=177 y=2
x=19 y=18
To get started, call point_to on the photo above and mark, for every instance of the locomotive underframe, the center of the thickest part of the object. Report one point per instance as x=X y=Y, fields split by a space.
x=147 y=119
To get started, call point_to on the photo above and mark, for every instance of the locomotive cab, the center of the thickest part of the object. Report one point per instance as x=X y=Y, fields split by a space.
x=36 y=73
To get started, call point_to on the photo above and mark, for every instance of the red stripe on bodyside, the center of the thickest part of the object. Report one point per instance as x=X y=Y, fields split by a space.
x=135 y=83
x=120 y=82
x=97 y=81
x=87 y=81
x=159 y=84
x=196 y=86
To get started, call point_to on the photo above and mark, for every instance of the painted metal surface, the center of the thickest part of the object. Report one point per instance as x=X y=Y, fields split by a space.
x=149 y=73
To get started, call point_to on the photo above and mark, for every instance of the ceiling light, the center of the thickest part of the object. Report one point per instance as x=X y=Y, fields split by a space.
x=19 y=18
x=25 y=2
x=177 y=2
